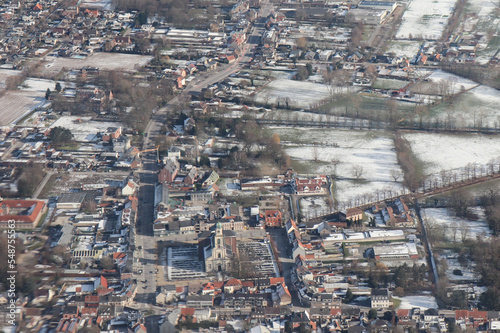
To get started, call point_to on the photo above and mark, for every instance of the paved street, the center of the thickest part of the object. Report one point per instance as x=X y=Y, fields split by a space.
x=145 y=243
x=285 y=252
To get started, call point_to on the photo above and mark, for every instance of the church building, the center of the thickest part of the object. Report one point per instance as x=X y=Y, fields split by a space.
x=219 y=250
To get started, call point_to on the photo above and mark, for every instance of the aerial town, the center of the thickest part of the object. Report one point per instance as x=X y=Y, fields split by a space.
x=249 y=166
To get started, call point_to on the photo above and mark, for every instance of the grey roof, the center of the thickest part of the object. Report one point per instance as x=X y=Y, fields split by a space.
x=76 y=197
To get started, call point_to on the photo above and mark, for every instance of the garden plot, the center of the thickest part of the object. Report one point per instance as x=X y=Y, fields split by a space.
x=452 y=152
x=311 y=207
x=456 y=228
x=340 y=152
x=423 y=302
x=426 y=19
x=83 y=128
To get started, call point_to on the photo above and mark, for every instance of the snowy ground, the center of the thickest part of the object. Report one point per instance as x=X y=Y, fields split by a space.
x=84 y=131
x=41 y=85
x=311 y=207
x=448 y=151
x=422 y=302
x=456 y=227
x=102 y=60
x=440 y=82
x=467 y=271
x=330 y=151
x=101 y=4
x=477 y=106
x=6 y=73
x=404 y=48
x=17 y=103
x=382 y=83
x=425 y=18
x=300 y=93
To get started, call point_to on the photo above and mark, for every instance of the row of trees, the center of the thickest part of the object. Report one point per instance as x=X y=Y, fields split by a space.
x=182 y=14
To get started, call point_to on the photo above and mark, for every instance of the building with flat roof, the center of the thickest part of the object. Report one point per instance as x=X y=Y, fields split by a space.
x=70 y=200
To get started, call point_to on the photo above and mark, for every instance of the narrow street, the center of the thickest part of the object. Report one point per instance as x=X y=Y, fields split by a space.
x=280 y=237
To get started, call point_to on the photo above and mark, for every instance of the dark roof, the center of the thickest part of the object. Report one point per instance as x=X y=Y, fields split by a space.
x=76 y=197
x=380 y=292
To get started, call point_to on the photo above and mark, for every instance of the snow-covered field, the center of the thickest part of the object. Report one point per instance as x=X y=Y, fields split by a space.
x=17 y=103
x=440 y=82
x=478 y=105
x=102 y=60
x=5 y=74
x=311 y=207
x=449 y=151
x=84 y=131
x=339 y=152
x=300 y=93
x=382 y=83
x=425 y=18
x=423 y=302
x=101 y=4
x=456 y=227
x=40 y=85
x=401 y=48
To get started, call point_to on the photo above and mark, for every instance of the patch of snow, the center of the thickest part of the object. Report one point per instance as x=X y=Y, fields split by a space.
x=425 y=18
x=459 y=226
x=422 y=302
x=448 y=151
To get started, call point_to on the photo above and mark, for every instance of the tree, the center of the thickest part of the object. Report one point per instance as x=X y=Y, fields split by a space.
x=490 y=299
x=357 y=171
x=58 y=87
x=89 y=206
x=204 y=160
x=301 y=43
x=60 y=136
x=372 y=314
x=276 y=139
x=107 y=263
x=348 y=296
x=458 y=298
x=395 y=174
x=302 y=73
x=47 y=93
x=460 y=203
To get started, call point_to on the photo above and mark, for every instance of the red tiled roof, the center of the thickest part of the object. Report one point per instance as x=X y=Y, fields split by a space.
x=118 y=255
x=335 y=311
x=276 y=280
x=233 y=282
x=403 y=312
x=187 y=311
x=6 y=205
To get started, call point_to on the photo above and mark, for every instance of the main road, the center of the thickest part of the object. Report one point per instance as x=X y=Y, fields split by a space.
x=145 y=254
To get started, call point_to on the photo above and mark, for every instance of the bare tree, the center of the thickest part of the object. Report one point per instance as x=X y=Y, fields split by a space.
x=357 y=171
x=396 y=174
x=465 y=230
